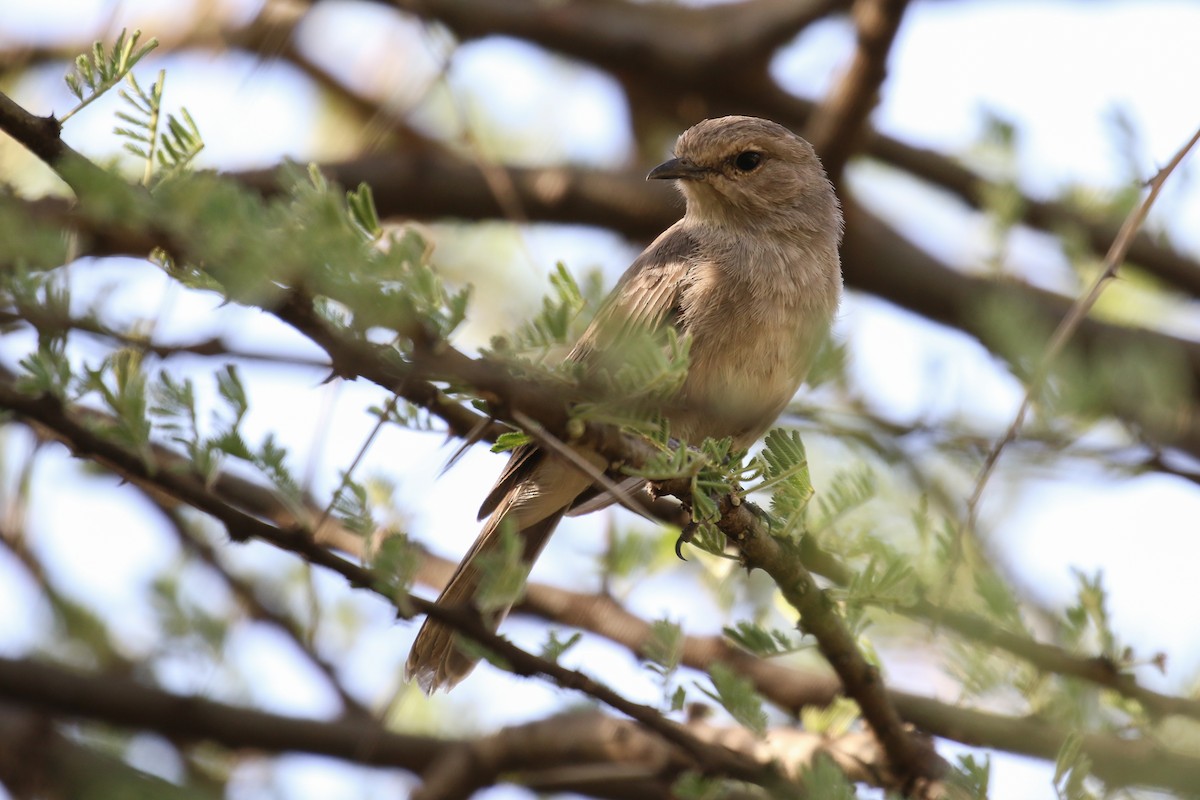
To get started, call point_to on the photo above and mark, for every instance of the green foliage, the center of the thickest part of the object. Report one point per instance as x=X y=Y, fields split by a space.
x=761 y=641
x=352 y=506
x=333 y=245
x=173 y=406
x=1088 y=621
x=663 y=652
x=396 y=561
x=664 y=649
x=628 y=553
x=708 y=537
x=832 y=720
x=171 y=150
x=184 y=619
x=173 y=403
x=360 y=204
x=1071 y=769
x=823 y=779
x=502 y=570
x=121 y=385
x=783 y=465
x=694 y=786
x=554 y=325
x=1000 y=603
x=884 y=582
x=47 y=371
x=974 y=776
x=553 y=648
x=97 y=71
x=845 y=492
x=712 y=468
x=634 y=377
x=736 y=694
x=510 y=440
x=271 y=460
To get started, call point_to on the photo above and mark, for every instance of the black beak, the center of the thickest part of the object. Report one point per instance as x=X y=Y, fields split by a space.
x=679 y=168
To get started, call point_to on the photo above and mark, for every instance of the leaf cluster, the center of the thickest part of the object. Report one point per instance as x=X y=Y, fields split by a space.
x=100 y=69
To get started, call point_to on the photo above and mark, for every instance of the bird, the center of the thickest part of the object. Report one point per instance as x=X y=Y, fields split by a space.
x=750 y=274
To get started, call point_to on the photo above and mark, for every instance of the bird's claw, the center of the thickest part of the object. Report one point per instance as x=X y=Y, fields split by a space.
x=685 y=537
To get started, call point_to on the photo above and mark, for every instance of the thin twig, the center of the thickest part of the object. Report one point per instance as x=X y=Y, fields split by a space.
x=1074 y=318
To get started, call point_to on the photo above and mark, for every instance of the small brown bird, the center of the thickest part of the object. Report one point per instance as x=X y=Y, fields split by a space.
x=751 y=274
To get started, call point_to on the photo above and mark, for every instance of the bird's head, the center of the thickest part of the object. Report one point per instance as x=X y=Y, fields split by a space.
x=751 y=173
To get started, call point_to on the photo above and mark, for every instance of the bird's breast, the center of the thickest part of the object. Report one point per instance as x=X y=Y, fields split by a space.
x=752 y=343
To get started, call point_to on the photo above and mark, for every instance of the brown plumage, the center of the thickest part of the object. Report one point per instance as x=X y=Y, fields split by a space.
x=751 y=274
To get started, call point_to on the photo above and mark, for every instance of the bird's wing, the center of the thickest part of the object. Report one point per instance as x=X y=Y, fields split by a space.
x=646 y=297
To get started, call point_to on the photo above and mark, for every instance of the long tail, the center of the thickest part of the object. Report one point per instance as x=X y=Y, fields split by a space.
x=434 y=661
x=535 y=502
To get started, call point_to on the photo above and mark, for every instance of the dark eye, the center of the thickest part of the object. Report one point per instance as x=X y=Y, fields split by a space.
x=748 y=161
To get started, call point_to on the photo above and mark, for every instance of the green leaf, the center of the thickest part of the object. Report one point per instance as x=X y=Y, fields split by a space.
x=121 y=385
x=823 y=779
x=231 y=389
x=886 y=581
x=784 y=465
x=736 y=695
x=1071 y=769
x=510 y=440
x=231 y=443
x=396 y=561
x=760 y=641
x=847 y=491
x=664 y=648
x=361 y=203
x=552 y=326
x=974 y=776
x=46 y=371
x=553 y=647
x=271 y=458
x=353 y=508
x=503 y=570
x=694 y=786
x=94 y=76
x=832 y=720
x=628 y=553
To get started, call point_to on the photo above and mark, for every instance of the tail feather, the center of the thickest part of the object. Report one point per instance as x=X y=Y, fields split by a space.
x=539 y=491
x=435 y=661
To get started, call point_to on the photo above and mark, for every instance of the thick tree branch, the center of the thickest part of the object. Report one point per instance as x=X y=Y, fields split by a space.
x=836 y=128
x=876 y=259
x=453 y=768
x=186 y=487
x=754 y=34
x=432 y=185
x=614 y=34
x=794 y=690
x=764 y=551
x=734 y=86
x=37 y=760
x=1146 y=251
